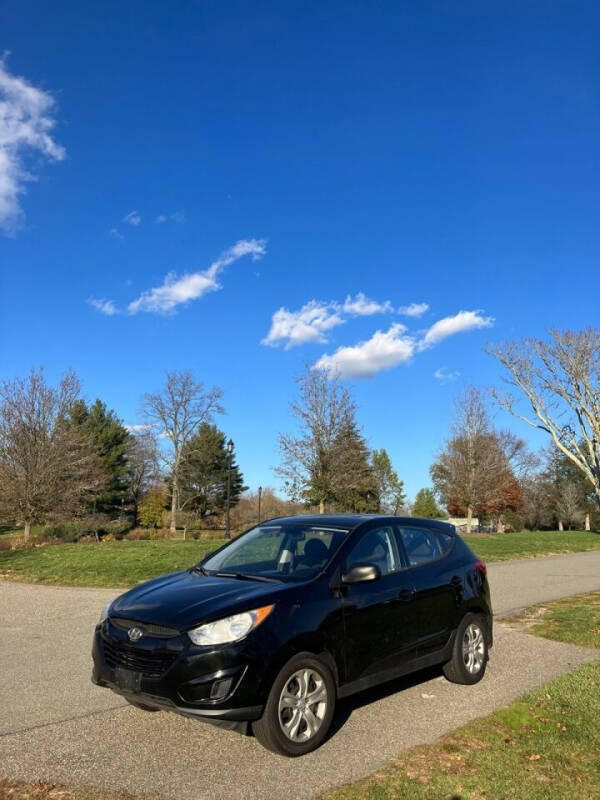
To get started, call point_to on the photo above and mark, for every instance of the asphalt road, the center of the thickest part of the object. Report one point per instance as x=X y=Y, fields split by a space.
x=55 y=725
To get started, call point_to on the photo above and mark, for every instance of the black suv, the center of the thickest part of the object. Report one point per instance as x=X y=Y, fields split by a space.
x=268 y=631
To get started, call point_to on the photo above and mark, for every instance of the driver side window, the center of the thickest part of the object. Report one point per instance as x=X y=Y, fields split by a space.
x=375 y=547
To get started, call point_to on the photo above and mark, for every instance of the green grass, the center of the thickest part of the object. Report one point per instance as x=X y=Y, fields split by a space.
x=106 y=564
x=528 y=544
x=544 y=746
x=575 y=620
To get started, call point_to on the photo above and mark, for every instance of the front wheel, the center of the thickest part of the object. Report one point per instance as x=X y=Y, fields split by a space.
x=299 y=709
x=470 y=652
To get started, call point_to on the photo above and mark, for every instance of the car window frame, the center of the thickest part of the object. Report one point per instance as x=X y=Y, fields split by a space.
x=400 y=544
x=398 y=557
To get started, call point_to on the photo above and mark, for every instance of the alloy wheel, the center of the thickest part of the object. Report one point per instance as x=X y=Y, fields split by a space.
x=302 y=705
x=473 y=648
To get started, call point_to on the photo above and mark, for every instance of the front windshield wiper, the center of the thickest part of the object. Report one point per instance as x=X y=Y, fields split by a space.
x=198 y=568
x=244 y=576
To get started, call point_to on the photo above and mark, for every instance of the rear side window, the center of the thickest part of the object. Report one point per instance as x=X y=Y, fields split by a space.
x=422 y=545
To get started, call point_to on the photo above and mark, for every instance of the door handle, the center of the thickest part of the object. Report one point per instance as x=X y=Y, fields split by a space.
x=406 y=595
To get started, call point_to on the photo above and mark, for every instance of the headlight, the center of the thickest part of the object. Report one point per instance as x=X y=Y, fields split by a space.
x=104 y=613
x=229 y=629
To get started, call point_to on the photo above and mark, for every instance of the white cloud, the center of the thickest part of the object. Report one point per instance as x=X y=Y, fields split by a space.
x=26 y=122
x=414 y=309
x=175 y=291
x=315 y=318
x=362 y=306
x=133 y=219
x=444 y=375
x=115 y=234
x=176 y=216
x=139 y=428
x=448 y=326
x=384 y=350
x=309 y=324
x=104 y=306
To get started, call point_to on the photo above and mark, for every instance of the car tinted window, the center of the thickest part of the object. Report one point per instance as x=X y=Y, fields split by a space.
x=445 y=540
x=420 y=545
x=375 y=547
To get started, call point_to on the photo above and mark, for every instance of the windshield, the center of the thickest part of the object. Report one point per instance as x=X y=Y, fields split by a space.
x=284 y=552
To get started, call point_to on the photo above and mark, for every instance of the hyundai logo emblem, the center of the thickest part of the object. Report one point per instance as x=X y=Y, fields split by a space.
x=135 y=634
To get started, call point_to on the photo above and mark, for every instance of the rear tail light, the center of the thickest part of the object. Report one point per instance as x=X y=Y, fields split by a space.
x=481 y=567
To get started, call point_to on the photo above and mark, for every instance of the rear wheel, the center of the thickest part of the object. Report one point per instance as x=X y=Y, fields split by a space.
x=299 y=708
x=470 y=652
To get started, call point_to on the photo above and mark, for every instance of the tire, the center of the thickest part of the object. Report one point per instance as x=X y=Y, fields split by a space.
x=470 y=651
x=286 y=709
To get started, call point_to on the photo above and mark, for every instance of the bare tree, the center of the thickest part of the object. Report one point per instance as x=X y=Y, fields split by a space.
x=142 y=462
x=475 y=472
x=176 y=413
x=568 y=505
x=313 y=462
x=560 y=379
x=46 y=467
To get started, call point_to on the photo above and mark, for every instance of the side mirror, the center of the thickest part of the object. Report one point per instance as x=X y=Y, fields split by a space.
x=360 y=573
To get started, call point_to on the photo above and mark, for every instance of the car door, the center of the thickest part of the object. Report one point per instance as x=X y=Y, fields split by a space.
x=374 y=611
x=435 y=580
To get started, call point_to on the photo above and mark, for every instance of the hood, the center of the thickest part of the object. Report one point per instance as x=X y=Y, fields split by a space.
x=185 y=599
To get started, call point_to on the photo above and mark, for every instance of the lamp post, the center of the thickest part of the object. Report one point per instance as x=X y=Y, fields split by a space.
x=259 y=499
x=229 y=454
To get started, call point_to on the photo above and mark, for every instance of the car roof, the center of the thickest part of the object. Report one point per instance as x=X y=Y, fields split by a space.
x=354 y=520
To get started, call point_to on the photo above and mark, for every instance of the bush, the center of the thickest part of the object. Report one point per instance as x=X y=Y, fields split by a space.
x=116 y=528
x=513 y=522
x=64 y=531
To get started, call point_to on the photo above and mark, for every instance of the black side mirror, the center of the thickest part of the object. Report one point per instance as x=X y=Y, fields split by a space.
x=360 y=573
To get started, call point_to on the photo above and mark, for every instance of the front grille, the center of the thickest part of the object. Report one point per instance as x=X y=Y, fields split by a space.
x=153 y=665
x=149 y=629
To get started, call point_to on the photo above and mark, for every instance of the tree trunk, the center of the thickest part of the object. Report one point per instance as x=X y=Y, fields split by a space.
x=469 y=519
x=321 y=507
x=26 y=530
x=500 y=526
x=173 y=508
x=587 y=521
x=561 y=527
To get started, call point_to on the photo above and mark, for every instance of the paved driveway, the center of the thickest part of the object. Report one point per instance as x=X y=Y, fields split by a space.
x=55 y=725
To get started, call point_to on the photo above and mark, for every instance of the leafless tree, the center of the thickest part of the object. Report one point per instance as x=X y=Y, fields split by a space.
x=568 y=505
x=476 y=469
x=313 y=461
x=176 y=413
x=143 y=465
x=560 y=380
x=46 y=467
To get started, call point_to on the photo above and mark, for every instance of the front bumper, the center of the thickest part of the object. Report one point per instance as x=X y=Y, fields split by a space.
x=223 y=686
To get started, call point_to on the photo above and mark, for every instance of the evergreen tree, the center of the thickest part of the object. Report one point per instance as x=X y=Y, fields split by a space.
x=357 y=489
x=203 y=481
x=390 y=487
x=425 y=505
x=108 y=439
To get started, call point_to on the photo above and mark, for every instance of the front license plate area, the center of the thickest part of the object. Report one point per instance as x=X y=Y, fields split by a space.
x=127 y=680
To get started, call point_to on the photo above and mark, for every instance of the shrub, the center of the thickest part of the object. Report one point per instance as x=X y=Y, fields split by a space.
x=63 y=531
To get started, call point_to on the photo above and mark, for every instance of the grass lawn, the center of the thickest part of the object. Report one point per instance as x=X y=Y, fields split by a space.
x=527 y=544
x=574 y=619
x=106 y=564
x=545 y=746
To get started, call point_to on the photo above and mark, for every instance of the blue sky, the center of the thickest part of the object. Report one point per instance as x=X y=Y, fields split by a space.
x=200 y=166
